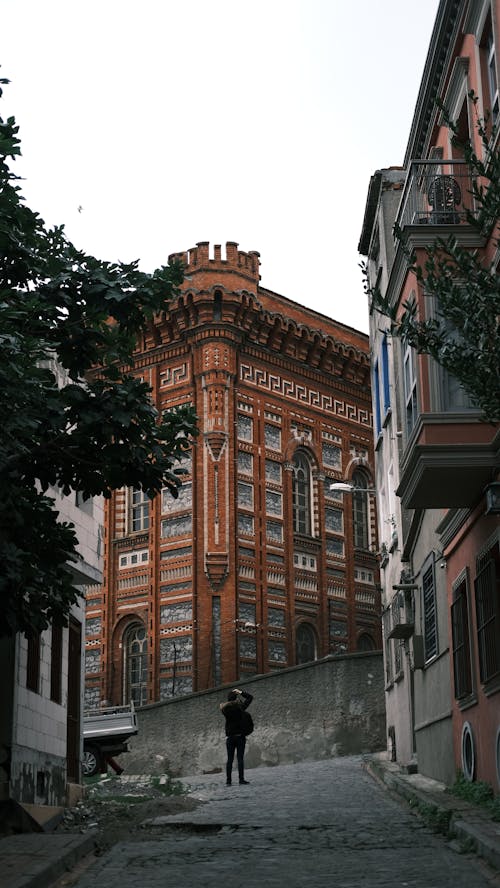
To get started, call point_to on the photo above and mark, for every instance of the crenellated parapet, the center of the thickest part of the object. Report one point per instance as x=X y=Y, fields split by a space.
x=221 y=299
x=198 y=259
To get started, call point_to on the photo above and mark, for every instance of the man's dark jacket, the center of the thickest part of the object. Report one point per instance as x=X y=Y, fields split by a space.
x=232 y=711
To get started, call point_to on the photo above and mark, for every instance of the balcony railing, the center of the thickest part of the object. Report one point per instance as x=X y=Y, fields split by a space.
x=437 y=192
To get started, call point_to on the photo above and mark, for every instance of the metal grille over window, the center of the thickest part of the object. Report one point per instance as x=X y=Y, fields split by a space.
x=245 y=462
x=175 y=613
x=332 y=456
x=274 y=504
x=245 y=428
x=172 y=527
x=183 y=501
x=273 y=471
x=272 y=437
x=176 y=649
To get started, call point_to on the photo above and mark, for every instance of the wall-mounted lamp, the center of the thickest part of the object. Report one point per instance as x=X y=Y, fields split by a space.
x=493 y=498
x=345 y=487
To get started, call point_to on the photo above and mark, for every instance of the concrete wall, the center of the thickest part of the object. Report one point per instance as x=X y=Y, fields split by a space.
x=331 y=707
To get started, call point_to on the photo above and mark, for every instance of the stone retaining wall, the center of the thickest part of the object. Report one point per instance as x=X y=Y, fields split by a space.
x=328 y=708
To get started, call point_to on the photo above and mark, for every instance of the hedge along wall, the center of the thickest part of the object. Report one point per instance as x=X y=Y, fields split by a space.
x=328 y=708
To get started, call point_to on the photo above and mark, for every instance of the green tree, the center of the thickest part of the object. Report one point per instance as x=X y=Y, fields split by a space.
x=463 y=335
x=63 y=313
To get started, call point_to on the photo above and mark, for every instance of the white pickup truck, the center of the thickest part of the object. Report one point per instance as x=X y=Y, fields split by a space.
x=105 y=732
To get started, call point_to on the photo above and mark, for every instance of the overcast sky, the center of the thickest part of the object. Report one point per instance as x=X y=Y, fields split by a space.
x=260 y=122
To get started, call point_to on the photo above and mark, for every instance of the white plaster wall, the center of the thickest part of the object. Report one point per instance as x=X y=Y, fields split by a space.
x=387 y=459
x=88 y=520
x=39 y=725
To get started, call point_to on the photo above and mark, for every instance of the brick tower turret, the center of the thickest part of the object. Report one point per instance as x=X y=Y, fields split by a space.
x=257 y=565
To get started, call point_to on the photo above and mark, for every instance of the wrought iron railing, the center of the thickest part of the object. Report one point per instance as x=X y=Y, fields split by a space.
x=437 y=192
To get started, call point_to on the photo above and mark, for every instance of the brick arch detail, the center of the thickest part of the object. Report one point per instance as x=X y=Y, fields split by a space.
x=306 y=444
x=119 y=630
x=301 y=621
x=357 y=462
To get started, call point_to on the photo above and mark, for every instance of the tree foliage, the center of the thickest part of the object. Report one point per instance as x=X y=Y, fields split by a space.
x=462 y=333
x=63 y=313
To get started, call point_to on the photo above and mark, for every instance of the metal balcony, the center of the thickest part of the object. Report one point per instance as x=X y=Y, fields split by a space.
x=437 y=193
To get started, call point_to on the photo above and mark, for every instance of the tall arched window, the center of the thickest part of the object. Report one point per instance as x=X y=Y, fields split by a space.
x=217 y=305
x=366 y=642
x=301 y=493
x=305 y=644
x=135 y=665
x=360 y=511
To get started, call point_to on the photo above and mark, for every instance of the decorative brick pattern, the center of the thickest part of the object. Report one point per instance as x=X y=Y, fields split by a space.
x=263 y=382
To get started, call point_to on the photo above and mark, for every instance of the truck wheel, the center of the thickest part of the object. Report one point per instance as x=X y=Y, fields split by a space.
x=90 y=761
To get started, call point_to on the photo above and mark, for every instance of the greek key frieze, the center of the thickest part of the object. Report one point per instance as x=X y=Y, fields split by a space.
x=303 y=394
x=173 y=375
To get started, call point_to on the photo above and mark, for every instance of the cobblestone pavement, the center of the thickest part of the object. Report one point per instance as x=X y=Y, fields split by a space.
x=318 y=824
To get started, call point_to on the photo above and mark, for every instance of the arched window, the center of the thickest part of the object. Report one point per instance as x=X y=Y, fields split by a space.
x=217 y=305
x=301 y=493
x=366 y=642
x=360 y=511
x=135 y=665
x=306 y=646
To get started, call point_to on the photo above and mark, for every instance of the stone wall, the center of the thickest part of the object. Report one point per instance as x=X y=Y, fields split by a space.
x=328 y=708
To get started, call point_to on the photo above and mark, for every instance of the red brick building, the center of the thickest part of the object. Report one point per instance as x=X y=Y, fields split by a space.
x=257 y=565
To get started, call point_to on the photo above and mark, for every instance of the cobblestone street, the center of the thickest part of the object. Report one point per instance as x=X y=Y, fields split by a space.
x=322 y=824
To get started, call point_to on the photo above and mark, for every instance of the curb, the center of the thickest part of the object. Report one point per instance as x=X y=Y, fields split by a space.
x=458 y=819
x=36 y=860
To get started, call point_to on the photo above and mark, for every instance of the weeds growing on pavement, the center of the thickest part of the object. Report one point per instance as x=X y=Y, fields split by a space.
x=477 y=792
x=171 y=787
x=434 y=817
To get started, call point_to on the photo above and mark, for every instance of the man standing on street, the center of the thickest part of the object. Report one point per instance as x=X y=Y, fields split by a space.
x=237 y=702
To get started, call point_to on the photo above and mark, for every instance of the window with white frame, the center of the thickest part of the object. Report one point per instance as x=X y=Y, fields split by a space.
x=384 y=368
x=305 y=562
x=133 y=559
x=381 y=390
x=489 y=68
x=301 y=493
x=274 y=503
x=139 y=511
x=410 y=388
x=245 y=428
x=245 y=462
x=273 y=471
x=377 y=414
x=272 y=436
x=135 y=671
x=245 y=495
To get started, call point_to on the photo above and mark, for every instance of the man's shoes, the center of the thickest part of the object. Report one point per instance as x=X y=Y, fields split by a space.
x=244 y=782
x=228 y=783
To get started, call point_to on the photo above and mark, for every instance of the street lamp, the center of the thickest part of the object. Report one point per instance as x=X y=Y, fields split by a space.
x=345 y=487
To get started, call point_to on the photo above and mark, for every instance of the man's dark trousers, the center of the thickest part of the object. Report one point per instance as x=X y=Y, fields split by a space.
x=235 y=742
